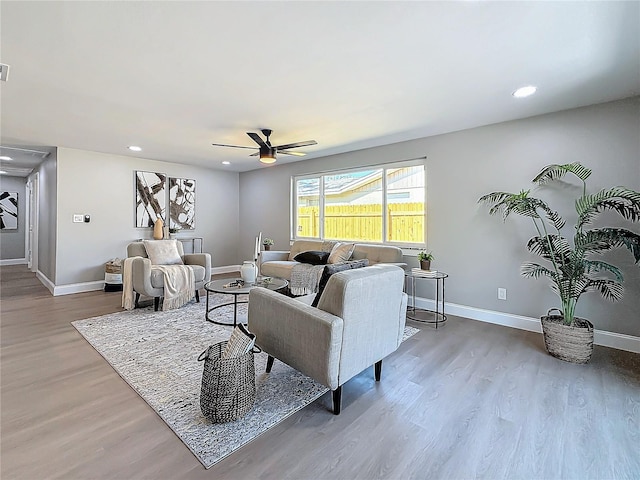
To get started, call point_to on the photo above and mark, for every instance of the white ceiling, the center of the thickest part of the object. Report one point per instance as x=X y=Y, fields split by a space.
x=174 y=77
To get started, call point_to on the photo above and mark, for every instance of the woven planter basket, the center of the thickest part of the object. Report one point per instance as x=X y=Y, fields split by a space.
x=228 y=386
x=569 y=343
x=112 y=268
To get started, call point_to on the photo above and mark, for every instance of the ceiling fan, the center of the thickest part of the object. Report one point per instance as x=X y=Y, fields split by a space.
x=267 y=151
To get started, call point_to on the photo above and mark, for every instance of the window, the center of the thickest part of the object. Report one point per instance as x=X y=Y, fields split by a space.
x=384 y=204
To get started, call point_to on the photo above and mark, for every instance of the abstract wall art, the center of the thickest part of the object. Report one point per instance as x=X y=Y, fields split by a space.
x=182 y=203
x=150 y=198
x=8 y=210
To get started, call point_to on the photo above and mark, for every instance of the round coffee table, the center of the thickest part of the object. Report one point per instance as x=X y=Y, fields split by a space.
x=218 y=286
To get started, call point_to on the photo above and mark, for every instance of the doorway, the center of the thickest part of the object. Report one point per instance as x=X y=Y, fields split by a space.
x=31 y=233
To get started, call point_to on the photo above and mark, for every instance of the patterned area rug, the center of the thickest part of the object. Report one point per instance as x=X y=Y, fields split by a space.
x=156 y=354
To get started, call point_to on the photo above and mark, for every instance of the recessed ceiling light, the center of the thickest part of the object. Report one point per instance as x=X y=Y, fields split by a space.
x=2 y=172
x=4 y=157
x=226 y=162
x=524 y=91
x=135 y=148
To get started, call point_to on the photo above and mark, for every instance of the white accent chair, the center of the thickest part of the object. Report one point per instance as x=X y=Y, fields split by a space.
x=359 y=320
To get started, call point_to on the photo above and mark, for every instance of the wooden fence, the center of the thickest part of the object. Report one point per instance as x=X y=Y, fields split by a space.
x=405 y=222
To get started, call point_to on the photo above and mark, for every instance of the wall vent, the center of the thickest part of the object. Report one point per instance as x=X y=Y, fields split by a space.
x=24 y=151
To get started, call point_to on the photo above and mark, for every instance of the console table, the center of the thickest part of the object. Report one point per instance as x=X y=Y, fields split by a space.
x=421 y=314
x=191 y=245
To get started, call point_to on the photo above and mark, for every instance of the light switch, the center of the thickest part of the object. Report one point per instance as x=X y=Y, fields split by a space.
x=78 y=218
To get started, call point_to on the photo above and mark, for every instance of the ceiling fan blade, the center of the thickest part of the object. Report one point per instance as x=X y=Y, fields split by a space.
x=255 y=154
x=297 y=154
x=256 y=138
x=297 y=144
x=234 y=146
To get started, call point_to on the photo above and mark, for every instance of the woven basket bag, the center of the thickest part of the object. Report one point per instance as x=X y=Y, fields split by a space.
x=569 y=343
x=228 y=386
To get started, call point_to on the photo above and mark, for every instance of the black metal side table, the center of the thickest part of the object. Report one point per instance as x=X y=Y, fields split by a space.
x=421 y=314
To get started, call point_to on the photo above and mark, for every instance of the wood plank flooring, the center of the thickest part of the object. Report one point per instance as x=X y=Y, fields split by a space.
x=469 y=400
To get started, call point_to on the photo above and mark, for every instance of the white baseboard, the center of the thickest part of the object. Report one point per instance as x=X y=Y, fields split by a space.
x=225 y=269
x=45 y=281
x=57 y=290
x=620 y=341
x=13 y=261
x=69 y=289
x=78 y=288
x=606 y=339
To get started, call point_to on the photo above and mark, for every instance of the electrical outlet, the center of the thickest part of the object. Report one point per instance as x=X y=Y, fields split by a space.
x=502 y=293
x=78 y=218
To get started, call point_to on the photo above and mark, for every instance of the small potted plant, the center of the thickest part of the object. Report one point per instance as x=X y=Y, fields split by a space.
x=267 y=242
x=173 y=232
x=425 y=260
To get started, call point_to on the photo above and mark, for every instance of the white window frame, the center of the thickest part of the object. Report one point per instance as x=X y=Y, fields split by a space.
x=293 y=220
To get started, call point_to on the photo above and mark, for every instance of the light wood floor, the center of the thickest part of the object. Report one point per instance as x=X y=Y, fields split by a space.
x=469 y=400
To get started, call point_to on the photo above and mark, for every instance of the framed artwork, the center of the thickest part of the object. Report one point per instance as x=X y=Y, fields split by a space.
x=182 y=203
x=150 y=198
x=8 y=210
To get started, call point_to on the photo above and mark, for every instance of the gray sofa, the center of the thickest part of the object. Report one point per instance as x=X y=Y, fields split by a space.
x=359 y=320
x=279 y=263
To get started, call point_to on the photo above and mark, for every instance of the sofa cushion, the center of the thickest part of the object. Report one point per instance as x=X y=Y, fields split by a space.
x=300 y=246
x=377 y=253
x=330 y=269
x=157 y=277
x=277 y=268
x=341 y=252
x=312 y=257
x=163 y=252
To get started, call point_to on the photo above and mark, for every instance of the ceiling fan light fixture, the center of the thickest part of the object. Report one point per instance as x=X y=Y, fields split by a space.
x=268 y=157
x=267 y=152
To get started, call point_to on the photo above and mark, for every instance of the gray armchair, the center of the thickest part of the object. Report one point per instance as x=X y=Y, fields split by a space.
x=149 y=282
x=359 y=321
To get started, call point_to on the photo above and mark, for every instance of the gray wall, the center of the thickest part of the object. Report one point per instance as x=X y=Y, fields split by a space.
x=47 y=215
x=12 y=241
x=479 y=252
x=102 y=186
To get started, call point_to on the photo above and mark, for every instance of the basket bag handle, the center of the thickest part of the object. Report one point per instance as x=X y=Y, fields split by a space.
x=556 y=309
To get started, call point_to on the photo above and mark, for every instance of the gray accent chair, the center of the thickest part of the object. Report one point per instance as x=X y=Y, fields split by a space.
x=359 y=320
x=150 y=282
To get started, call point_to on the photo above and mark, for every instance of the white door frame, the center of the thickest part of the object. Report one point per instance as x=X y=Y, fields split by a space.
x=33 y=219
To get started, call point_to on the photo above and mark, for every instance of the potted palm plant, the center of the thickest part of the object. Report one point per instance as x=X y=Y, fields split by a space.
x=571 y=266
x=425 y=260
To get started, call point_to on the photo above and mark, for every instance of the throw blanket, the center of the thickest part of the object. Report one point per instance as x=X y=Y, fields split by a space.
x=305 y=278
x=127 y=285
x=179 y=285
